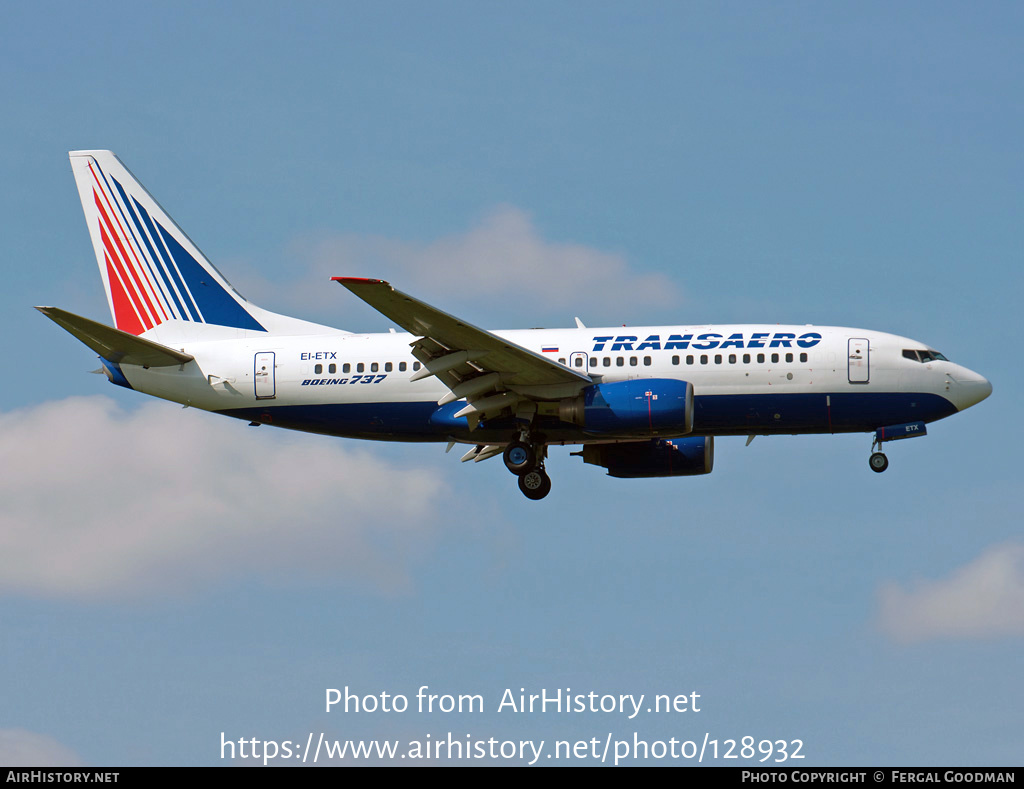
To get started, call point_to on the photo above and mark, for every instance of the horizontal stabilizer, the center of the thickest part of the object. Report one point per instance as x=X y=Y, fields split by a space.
x=113 y=344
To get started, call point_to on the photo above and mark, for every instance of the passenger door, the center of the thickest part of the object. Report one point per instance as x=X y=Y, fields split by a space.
x=264 y=376
x=859 y=362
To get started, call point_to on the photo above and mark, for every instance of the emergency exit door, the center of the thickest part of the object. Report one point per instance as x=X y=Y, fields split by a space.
x=578 y=361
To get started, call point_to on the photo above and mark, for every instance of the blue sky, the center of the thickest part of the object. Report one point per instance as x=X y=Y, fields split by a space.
x=166 y=576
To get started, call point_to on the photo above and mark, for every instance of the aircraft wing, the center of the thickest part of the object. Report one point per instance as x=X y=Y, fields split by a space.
x=473 y=363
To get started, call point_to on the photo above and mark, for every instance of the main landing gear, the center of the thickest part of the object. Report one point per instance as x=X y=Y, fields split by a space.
x=519 y=457
x=535 y=484
x=525 y=459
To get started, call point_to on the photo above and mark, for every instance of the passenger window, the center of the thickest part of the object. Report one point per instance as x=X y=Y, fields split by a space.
x=360 y=367
x=689 y=360
x=579 y=361
x=318 y=369
x=593 y=361
x=803 y=357
x=620 y=362
x=675 y=360
x=760 y=358
x=332 y=368
x=561 y=361
x=718 y=358
x=775 y=358
x=374 y=367
x=607 y=361
x=647 y=361
x=387 y=367
x=632 y=361
x=789 y=357
x=746 y=358
x=416 y=366
x=703 y=358
x=346 y=368
x=401 y=367
x=732 y=358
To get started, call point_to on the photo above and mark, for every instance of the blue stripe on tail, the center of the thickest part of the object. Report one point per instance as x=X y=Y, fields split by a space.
x=216 y=304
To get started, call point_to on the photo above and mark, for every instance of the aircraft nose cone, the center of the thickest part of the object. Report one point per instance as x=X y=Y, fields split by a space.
x=973 y=389
x=984 y=389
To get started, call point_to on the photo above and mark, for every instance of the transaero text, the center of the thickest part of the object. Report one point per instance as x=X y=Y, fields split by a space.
x=704 y=342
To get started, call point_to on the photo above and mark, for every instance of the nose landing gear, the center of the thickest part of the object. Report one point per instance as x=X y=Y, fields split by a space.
x=878 y=461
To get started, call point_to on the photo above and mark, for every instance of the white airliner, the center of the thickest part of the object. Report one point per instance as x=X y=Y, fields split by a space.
x=642 y=401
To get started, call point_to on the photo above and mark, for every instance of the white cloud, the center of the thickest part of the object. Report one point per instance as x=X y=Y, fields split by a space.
x=502 y=261
x=983 y=599
x=98 y=501
x=27 y=749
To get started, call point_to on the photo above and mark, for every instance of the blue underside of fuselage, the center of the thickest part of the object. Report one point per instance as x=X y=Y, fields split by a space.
x=846 y=412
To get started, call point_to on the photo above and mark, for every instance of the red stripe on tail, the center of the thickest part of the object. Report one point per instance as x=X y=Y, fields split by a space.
x=141 y=299
x=127 y=287
x=124 y=314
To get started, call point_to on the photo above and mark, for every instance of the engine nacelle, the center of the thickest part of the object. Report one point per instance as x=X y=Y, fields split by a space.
x=645 y=407
x=676 y=457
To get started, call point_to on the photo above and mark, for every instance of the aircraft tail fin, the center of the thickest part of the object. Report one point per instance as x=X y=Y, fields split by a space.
x=152 y=272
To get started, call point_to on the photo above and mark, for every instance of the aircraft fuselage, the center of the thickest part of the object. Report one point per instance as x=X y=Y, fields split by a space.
x=747 y=380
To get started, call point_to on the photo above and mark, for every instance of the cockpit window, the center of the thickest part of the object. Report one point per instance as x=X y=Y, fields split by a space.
x=924 y=356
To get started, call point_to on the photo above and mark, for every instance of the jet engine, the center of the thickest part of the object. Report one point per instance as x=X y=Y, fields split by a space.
x=676 y=457
x=643 y=407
